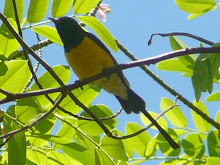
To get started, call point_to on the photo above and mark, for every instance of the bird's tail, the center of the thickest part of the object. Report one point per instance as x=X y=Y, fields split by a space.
x=136 y=104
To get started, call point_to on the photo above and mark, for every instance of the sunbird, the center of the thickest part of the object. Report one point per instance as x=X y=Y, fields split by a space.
x=88 y=56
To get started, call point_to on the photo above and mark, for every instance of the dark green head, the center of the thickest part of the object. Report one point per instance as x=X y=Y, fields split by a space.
x=70 y=32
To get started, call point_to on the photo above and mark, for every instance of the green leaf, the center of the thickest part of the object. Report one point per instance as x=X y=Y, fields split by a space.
x=16 y=144
x=61 y=7
x=195 y=6
x=202 y=78
x=151 y=147
x=213 y=97
x=85 y=6
x=101 y=158
x=16 y=78
x=36 y=155
x=91 y=127
x=48 y=32
x=81 y=158
x=139 y=142
x=57 y=158
x=67 y=130
x=48 y=81
x=9 y=9
x=161 y=121
x=213 y=160
x=214 y=143
x=165 y=146
x=3 y=68
x=27 y=110
x=200 y=123
x=37 y=10
x=86 y=96
x=218 y=117
x=193 y=145
x=9 y=45
x=62 y=142
x=174 y=65
x=188 y=60
x=101 y=30
x=193 y=16
x=175 y=115
x=114 y=147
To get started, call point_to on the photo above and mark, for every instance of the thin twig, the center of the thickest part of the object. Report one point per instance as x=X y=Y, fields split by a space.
x=180 y=34
x=36 y=121
x=49 y=69
x=166 y=86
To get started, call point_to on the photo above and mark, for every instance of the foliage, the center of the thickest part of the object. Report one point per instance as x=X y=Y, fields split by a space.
x=78 y=140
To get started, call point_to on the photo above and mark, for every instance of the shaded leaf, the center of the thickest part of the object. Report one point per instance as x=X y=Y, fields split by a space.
x=193 y=145
x=16 y=144
x=165 y=146
x=214 y=143
x=202 y=78
x=187 y=60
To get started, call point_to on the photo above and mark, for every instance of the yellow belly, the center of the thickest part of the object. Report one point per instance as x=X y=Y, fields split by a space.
x=88 y=59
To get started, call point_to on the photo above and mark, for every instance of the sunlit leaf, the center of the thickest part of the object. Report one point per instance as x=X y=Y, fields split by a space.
x=91 y=127
x=213 y=160
x=48 y=81
x=201 y=123
x=9 y=45
x=195 y=6
x=101 y=30
x=86 y=96
x=161 y=121
x=37 y=10
x=85 y=6
x=139 y=142
x=9 y=12
x=61 y=7
x=175 y=115
x=48 y=32
x=213 y=97
x=16 y=77
x=114 y=147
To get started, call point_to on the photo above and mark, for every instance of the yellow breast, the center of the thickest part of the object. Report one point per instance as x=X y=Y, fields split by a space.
x=88 y=59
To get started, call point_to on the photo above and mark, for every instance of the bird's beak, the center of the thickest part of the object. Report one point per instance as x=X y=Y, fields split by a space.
x=52 y=19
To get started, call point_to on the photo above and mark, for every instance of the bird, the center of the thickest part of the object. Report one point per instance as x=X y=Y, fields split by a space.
x=88 y=56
